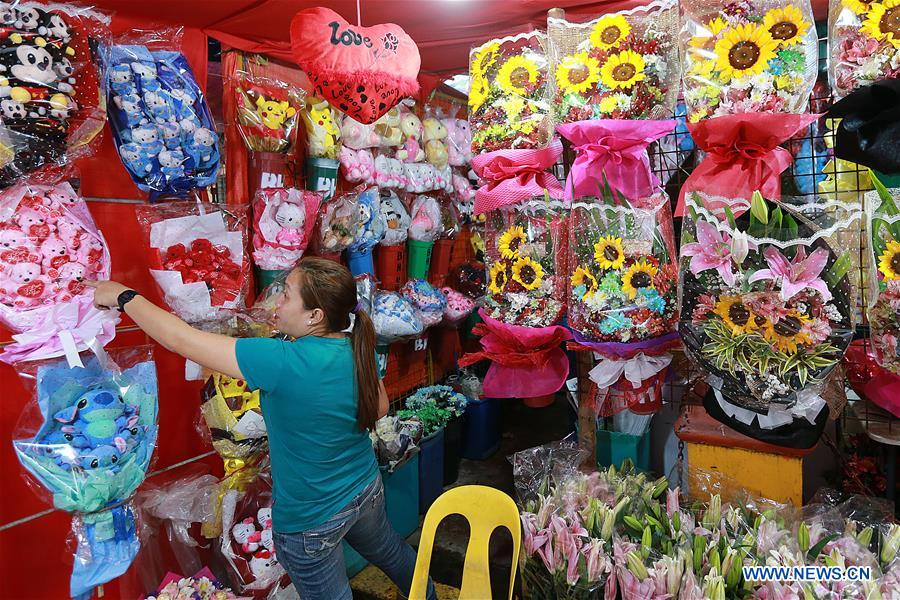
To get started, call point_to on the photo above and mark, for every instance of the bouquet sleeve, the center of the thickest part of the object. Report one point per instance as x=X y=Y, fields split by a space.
x=338 y=224
x=862 y=43
x=395 y=317
x=283 y=223
x=268 y=113
x=884 y=276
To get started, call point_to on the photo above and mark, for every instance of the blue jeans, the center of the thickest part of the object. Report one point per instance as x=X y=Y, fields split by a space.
x=314 y=558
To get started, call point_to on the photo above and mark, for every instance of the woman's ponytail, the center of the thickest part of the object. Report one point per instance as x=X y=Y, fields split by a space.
x=368 y=383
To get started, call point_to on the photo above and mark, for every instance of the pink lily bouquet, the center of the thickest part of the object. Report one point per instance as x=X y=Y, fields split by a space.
x=884 y=276
x=863 y=42
x=766 y=298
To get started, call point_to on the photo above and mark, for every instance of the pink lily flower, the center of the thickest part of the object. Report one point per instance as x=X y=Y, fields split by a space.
x=632 y=589
x=572 y=572
x=711 y=251
x=795 y=275
x=672 y=503
x=596 y=560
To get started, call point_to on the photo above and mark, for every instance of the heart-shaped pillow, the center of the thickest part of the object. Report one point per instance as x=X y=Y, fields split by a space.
x=361 y=71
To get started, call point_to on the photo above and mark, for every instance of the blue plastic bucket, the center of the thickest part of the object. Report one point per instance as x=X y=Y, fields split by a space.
x=360 y=262
x=481 y=429
x=431 y=469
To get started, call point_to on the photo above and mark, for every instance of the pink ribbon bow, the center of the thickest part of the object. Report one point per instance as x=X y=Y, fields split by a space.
x=616 y=150
x=512 y=176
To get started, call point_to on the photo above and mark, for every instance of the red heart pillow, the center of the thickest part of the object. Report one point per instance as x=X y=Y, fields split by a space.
x=362 y=71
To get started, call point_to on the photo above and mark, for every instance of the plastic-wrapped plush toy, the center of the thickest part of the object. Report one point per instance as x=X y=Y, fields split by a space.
x=51 y=100
x=160 y=121
x=396 y=219
x=49 y=245
x=370 y=231
x=459 y=142
x=428 y=301
x=232 y=413
x=338 y=223
x=87 y=439
x=356 y=136
x=395 y=318
x=458 y=305
x=283 y=224
x=426 y=219
x=358 y=165
x=388 y=129
x=323 y=132
x=435 y=136
x=267 y=114
x=411 y=151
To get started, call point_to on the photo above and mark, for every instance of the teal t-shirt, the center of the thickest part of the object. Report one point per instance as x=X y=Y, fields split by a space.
x=320 y=458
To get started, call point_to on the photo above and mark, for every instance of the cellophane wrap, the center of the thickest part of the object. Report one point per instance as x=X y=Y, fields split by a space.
x=747 y=56
x=283 y=223
x=268 y=113
x=395 y=317
x=86 y=439
x=323 y=129
x=884 y=276
x=52 y=102
x=371 y=227
x=338 y=223
x=526 y=253
x=159 y=118
x=396 y=440
x=509 y=97
x=767 y=298
x=428 y=301
x=863 y=44
x=426 y=219
x=49 y=245
x=232 y=416
x=396 y=218
x=622 y=65
x=197 y=256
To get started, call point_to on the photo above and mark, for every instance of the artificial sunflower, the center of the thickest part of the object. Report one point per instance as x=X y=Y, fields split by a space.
x=609 y=104
x=583 y=277
x=734 y=314
x=478 y=93
x=787 y=334
x=510 y=242
x=883 y=22
x=609 y=31
x=703 y=70
x=859 y=7
x=639 y=275
x=516 y=74
x=609 y=253
x=623 y=70
x=786 y=25
x=577 y=73
x=709 y=31
x=497 y=278
x=483 y=59
x=889 y=261
x=513 y=107
x=744 y=50
x=528 y=273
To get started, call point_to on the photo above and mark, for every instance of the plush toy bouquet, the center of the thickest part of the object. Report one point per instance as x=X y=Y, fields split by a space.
x=233 y=417
x=767 y=304
x=160 y=120
x=863 y=43
x=424 y=229
x=395 y=318
x=323 y=145
x=369 y=232
x=428 y=301
x=197 y=256
x=87 y=440
x=51 y=99
x=283 y=224
x=337 y=225
x=268 y=113
x=396 y=219
x=358 y=144
x=49 y=245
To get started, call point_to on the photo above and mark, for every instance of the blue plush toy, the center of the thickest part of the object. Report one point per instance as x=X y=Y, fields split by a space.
x=120 y=80
x=134 y=158
x=97 y=418
x=171 y=163
x=203 y=148
x=158 y=107
x=130 y=105
x=147 y=137
x=145 y=70
x=171 y=135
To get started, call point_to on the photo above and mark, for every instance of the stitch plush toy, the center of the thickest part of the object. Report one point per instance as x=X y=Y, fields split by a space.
x=435 y=147
x=99 y=417
x=411 y=150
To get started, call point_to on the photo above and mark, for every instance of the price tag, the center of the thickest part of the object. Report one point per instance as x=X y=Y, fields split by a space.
x=382 y=362
x=420 y=344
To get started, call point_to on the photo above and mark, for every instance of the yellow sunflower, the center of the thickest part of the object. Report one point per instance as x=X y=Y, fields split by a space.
x=483 y=59
x=516 y=73
x=582 y=276
x=609 y=31
x=510 y=242
x=744 y=50
x=513 y=107
x=786 y=25
x=889 y=261
x=711 y=30
x=788 y=333
x=478 y=92
x=528 y=273
x=497 y=278
x=609 y=253
x=859 y=7
x=577 y=73
x=703 y=70
x=639 y=275
x=623 y=70
x=609 y=104
x=883 y=22
x=737 y=316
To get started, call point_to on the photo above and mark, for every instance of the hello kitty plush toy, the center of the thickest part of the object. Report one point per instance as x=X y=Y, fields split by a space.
x=263 y=565
x=171 y=135
x=246 y=534
x=264 y=517
x=382 y=171
x=411 y=151
x=398 y=173
x=135 y=159
x=204 y=149
x=131 y=105
x=147 y=139
x=266 y=541
x=290 y=217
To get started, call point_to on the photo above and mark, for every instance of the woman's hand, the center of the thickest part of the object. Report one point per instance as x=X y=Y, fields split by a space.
x=106 y=293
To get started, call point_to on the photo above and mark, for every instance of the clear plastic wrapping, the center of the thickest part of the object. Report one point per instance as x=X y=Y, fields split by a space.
x=267 y=113
x=395 y=318
x=458 y=305
x=396 y=218
x=396 y=440
x=426 y=219
x=622 y=65
x=459 y=142
x=323 y=130
x=371 y=228
x=863 y=44
x=283 y=224
x=232 y=414
x=428 y=301
x=338 y=223
x=747 y=56
x=884 y=275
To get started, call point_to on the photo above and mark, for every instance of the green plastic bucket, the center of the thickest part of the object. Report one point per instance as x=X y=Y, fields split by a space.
x=419 y=258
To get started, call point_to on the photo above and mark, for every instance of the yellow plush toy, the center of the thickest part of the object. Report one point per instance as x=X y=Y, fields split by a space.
x=273 y=114
x=322 y=131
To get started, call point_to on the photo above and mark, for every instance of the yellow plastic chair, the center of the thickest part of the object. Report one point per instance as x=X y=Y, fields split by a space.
x=486 y=509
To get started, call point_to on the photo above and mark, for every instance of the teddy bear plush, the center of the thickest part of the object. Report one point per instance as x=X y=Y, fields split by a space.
x=411 y=151
x=357 y=165
x=459 y=142
x=388 y=129
x=435 y=147
x=358 y=136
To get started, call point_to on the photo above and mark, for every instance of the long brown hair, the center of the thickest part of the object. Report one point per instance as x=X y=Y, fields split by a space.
x=329 y=286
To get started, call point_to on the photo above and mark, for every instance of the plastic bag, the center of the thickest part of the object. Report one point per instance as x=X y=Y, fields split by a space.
x=427 y=221
x=283 y=223
x=623 y=65
x=87 y=440
x=396 y=441
x=197 y=256
x=338 y=224
x=508 y=97
x=434 y=141
x=323 y=132
x=526 y=262
x=884 y=276
x=863 y=44
x=395 y=317
x=357 y=136
x=428 y=301
x=458 y=305
x=160 y=120
x=748 y=56
x=267 y=113
x=51 y=101
x=358 y=165
x=396 y=218
x=767 y=301
x=49 y=245
x=371 y=227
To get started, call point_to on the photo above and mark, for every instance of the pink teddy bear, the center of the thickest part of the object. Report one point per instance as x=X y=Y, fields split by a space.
x=15 y=247
x=459 y=142
x=71 y=278
x=24 y=286
x=358 y=165
x=34 y=224
x=71 y=233
x=55 y=255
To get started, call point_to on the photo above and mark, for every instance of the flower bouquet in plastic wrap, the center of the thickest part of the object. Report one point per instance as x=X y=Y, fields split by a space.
x=283 y=224
x=337 y=226
x=87 y=440
x=369 y=232
x=767 y=305
x=509 y=96
x=623 y=65
x=197 y=256
x=863 y=43
x=201 y=586
x=49 y=245
x=623 y=296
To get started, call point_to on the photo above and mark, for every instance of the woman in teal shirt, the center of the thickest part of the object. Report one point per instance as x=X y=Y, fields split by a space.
x=320 y=394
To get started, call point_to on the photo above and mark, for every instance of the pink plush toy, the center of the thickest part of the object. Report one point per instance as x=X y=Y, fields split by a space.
x=15 y=247
x=34 y=224
x=70 y=233
x=463 y=188
x=356 y=136
x=357 y=165
x=459 y=142
x=24 y=286
x=458 y=305
x=55 y=255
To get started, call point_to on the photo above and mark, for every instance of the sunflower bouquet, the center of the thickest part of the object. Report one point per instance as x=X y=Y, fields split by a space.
x=622 y=65
x=767 y=299
x=884 y=276
x=508 y=97
x=525 y=258
x=747 y=57
x=864 y=43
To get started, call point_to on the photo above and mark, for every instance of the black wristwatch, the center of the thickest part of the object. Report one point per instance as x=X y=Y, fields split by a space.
x=126 y=297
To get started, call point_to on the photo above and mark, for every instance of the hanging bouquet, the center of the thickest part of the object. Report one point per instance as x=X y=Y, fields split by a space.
x=767 y=301
x=338 y=224
x=434 y=406
x=884 y=276
x=509 y=92
x=396 y=219
x=458 y=305
x=232 y=415
x=267 y=113
x=747 y=57
x=395 y=317
x=369 y=232
x=428 y=301
x=283 y=223
x=323 y=129
x=623 y=65
x=863 y=43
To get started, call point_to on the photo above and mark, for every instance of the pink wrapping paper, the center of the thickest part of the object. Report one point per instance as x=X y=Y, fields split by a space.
x=511 y=176
x=615 y=149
